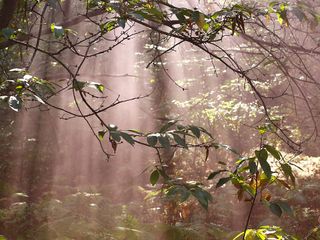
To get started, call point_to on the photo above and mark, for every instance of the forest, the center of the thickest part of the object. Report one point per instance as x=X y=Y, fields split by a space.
x=159 y=120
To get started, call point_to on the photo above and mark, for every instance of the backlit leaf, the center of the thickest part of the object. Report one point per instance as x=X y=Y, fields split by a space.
x=115 y=135
x=154 y=177
x=101 y=134
x=202 y=196
x=222 y=181
x=285 y=207
x=127 y=137
x=253 y=167
x=109 y=26
x=179 y=140
x=122 y=22
x=79 y=85
x=7 y=33
x=275 y=153
x=275 y=209
x=168 y=125
x=286 y=168
x=99 y=87
x=164 y=140
x=195 y=131
x=152 y=140
x=262 y=156
x=213 y=174
x=57 y=31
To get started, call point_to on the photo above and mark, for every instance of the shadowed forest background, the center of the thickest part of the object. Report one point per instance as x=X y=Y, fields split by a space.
x=161 y=120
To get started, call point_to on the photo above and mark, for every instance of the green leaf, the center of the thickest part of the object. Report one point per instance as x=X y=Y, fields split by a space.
x=248 y=189
x=154 y=177
x=137 y=15
x=99 y=87
x=285 y=207
x=2 y=237
x=135 y=131
x=122 y=22
x=250 y=234
x=127 y=137
x=282 y=17
x=262 y=156
x=172 y=191
x=286 y=168
x=179 y=140
x=261 y=235
x=262 y=130
x=164 y=141
x=95 y=85
x=181 y=191
x=152 y=139
x=109 y=26
x=222 y=181
x=206 y=132
x=195 y=131
x=206 y=27
x=213 y=174
x=15 y=103
x=180 y=127
x=78 y=85
x=275 y=209
x=167 y=125
x=101 y=134
x=156 y=12
x=253 y=167
x=184 y=194
x=275 y=153
x=202 y=196
x=239 y=236
x=7 y=33
x=199 y=19
x=152 y=14
x=115 y=135
x=180 y=16
x=19 y=88
x=224 y=146
x=58 y=31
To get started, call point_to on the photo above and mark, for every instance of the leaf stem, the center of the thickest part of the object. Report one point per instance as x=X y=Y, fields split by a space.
x=251 y=207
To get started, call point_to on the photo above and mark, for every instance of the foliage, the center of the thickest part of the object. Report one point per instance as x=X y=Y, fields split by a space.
x=25 y=88
x=85 y=215
x=265 y=232
x=253 y=177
